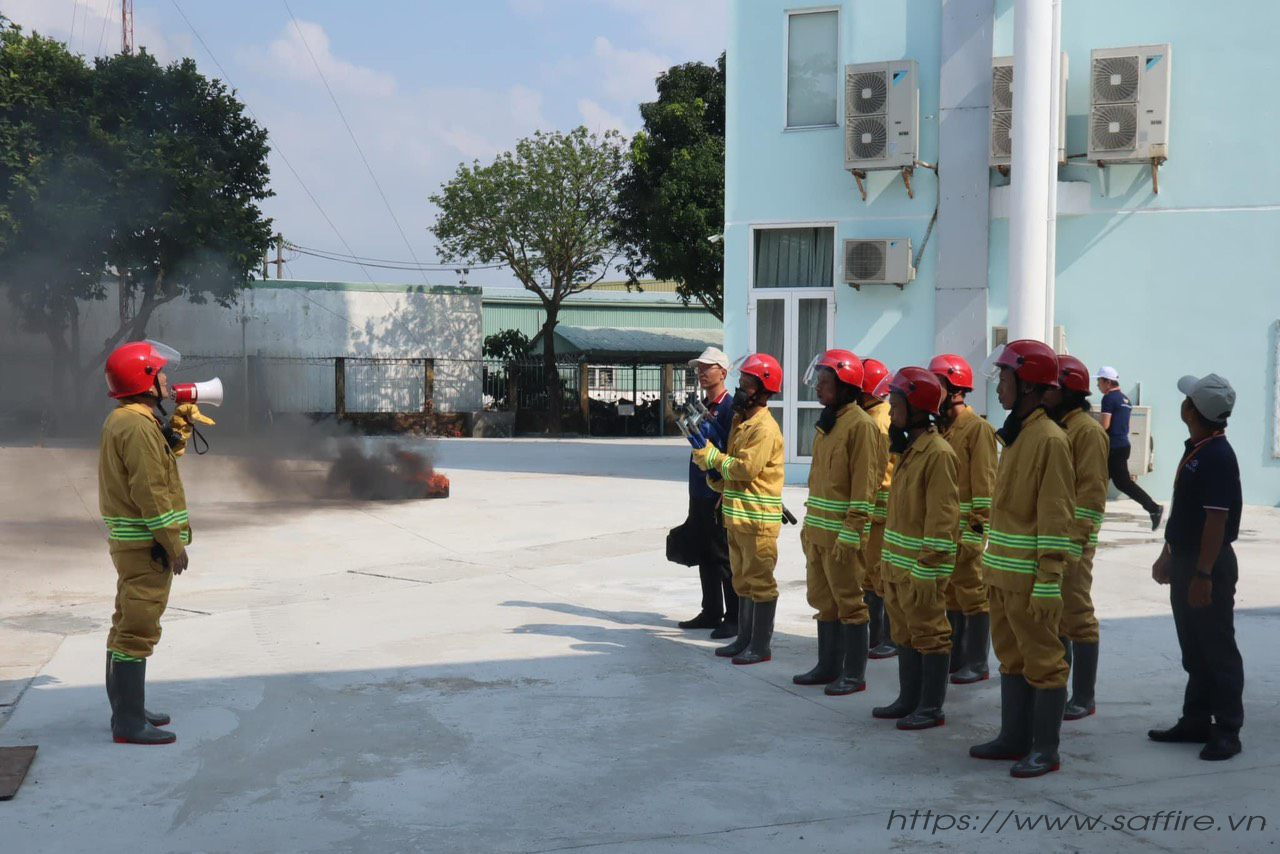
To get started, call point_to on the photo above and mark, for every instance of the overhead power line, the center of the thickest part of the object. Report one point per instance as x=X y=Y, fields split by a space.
x=385 y=263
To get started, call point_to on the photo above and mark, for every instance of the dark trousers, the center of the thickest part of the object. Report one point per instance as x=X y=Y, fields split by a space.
x=1207 y=636
x=718 y=598
x=1118 y=468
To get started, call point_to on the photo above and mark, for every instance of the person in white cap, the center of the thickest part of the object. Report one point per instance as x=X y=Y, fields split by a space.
x=719 y=601
x=1200 y=568
x=1115 y=420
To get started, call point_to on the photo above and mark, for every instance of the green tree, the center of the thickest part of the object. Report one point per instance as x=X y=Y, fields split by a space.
x=671 y=197
x=546 y=211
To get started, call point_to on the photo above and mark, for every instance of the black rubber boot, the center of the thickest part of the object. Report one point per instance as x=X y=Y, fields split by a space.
x=153 y=718
x=957 y=621
x=853 y=677
x=1067 y=649
x=933 y=691
x=1222 y=744
x=746 y=608
x=702 y=621
x=1183 y=732
x=727 y=629
x=1046 y=727
x=886 y=648
x=1084 y=677
x=977 y=646
x=758 y=651
x=129 y=726
x=830 y=655
x=1014 y=740
x=909 y=665
x=875 y=619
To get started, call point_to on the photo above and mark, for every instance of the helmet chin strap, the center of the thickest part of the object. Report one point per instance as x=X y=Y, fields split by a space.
x=159 y=396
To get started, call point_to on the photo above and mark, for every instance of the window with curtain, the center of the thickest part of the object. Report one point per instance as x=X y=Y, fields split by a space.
x=812 y=39
x=795 y=258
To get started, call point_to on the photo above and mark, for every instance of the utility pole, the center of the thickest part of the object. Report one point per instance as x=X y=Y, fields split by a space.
x=279 y=262
x=126 y=26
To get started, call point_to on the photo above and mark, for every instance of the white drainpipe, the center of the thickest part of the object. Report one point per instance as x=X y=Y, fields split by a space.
x=1029 y=186
x=1051 y=209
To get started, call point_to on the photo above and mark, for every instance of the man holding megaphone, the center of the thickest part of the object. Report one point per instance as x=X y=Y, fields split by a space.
x=144 y=507
x=186 y=415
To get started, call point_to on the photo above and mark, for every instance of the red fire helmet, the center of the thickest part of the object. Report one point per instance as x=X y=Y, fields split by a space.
x=954 y=370
x=765 y=368
x=847 y=367
x=1073 y=375
x=873 y=373
x=921 y=387
x=1031 y=361
x=132 y=368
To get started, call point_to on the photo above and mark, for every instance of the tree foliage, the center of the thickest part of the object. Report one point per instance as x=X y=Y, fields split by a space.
x=671 y=197
x=150 y=173
x=547 y=212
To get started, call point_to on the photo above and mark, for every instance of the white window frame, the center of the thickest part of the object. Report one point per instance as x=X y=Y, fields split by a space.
x=792 y=371
x=786 y=63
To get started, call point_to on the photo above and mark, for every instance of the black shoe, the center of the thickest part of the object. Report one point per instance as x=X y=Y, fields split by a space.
x=830 y=656
x=1014 y=740
x=1183 y=732
x=1222 y=745
x=956 y=619
x=702 y=621
x=909 y=675
x=130 y=726
x=875 y=619
x=977 y=647
x=725 y=630
x=758 y=650
x=153 y=718
x=746 y=608
x=1084 y=676
x=1156 y=516
x=853 y=676
x=887 y=648
x=933 y=691
x=1046 y=729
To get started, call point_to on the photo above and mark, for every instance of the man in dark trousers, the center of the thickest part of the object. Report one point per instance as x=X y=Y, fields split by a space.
x=1199 y=565
x=719 y=601
x=1116 y=410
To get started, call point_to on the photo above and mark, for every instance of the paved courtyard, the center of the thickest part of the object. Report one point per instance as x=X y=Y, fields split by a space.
x=501 y=672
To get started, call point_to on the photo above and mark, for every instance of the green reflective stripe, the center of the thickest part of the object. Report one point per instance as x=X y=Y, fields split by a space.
x=1075 y=550
x=712 y=455
x=899 y=560
x=1024 y=566
x=185 y=535
x=164 y=520
x=850 y=537
x=732 y=512
x=812 y=521
x=902 y=540
x=1094 y=516
x=880 y=514
x=970 y=538
x=120 y=656
x=1093 y=538
x=1011 y=541
x=1048 y=543
x=981 y=502
x=944 y=546
x=834 y=505
x=1046 y=591
x=966 y=506
x=724 y=467
x=753 y=498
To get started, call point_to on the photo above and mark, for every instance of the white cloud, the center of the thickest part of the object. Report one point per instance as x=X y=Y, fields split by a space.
x=697 y=28
x=626 y=75
x=292 y=57
x=598 y=119
x=96 y=31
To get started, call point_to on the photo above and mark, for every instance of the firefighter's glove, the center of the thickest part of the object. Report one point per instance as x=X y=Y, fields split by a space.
x=845 y=550
x=705 y=457
x=1046 y=604
x=925 y=590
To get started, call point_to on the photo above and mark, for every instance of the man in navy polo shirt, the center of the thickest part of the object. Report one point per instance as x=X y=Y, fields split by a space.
x=1115 y=420
x=719 y=601
x=1200 y=566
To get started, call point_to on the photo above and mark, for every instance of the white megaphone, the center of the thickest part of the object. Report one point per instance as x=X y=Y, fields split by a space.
x=209 y=391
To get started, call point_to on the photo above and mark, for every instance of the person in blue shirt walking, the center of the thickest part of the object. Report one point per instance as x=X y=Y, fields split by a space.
x=1116 y=410
x=719 y=601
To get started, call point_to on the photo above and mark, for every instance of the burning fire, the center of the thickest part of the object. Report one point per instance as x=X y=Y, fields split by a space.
x=388 y=474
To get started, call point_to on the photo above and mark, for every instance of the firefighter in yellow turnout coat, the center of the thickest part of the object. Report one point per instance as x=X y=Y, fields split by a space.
x=842 y=484
x=144 y=508
x=974 y=441
x=1089 y=449
x=750 y=475
x=1027 y=550
x=919 y=551
x=875 y=401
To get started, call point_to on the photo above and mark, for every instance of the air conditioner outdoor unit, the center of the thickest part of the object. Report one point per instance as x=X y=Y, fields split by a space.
x=881 y=115
x=1001 y=150
x=878 y=261
x=1129 y=104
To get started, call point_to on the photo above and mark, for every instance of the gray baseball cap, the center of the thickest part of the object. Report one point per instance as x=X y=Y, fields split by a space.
x=1212 y=396
x=712 y=356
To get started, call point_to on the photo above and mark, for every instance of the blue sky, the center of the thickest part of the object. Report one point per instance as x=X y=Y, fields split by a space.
x=425 y=85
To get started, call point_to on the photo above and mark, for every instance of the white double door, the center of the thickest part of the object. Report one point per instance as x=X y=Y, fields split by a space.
x=793 y=327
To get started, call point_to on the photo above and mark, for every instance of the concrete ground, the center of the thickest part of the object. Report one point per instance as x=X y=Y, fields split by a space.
x=501 y=672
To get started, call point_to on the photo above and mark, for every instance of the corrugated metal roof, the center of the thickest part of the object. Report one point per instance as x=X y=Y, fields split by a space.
x=623 y=343
x=628 y=298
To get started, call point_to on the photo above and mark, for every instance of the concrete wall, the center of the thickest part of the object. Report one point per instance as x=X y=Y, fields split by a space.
x=1156 y=285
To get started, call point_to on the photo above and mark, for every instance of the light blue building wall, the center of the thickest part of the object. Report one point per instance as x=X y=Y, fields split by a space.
x=1159 y=286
